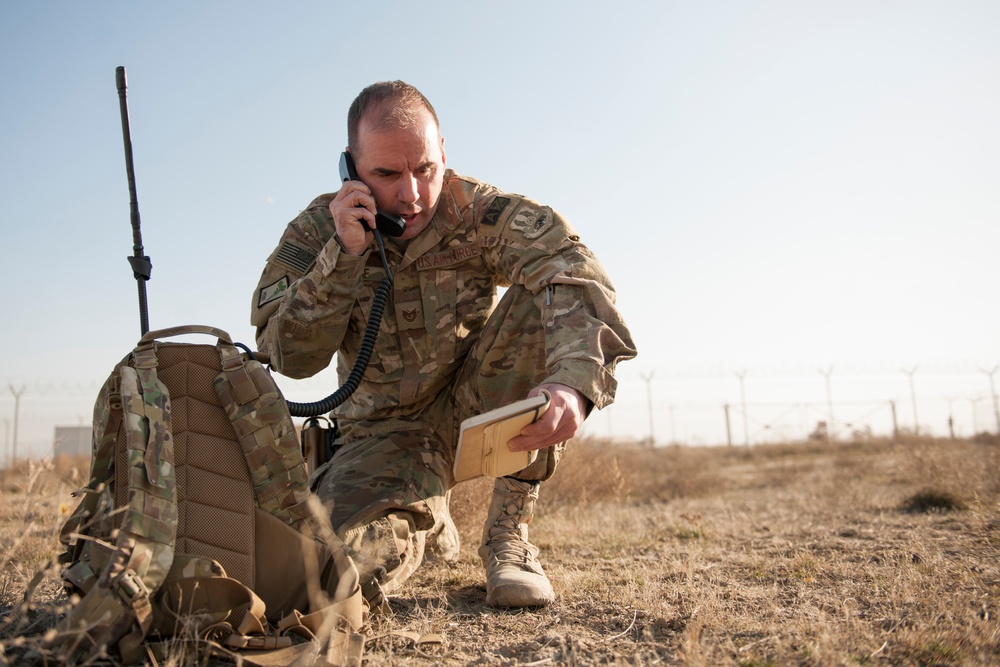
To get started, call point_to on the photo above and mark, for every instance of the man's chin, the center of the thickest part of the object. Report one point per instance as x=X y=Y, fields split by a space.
x=414 y=227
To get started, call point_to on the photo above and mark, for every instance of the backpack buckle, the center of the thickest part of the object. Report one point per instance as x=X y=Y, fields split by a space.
x=115 y=392
x=130 y=587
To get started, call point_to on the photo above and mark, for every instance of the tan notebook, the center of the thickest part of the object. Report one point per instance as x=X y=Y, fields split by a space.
x=482 y=441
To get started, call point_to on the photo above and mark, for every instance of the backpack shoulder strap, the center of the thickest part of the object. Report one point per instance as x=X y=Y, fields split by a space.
x=118 y=608
x=263 y=424
x=264 y=427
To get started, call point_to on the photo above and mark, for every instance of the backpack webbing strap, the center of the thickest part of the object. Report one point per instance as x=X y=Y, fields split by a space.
x=346 y=652
x=345 y=616
x=201 y=608
x=260 y=417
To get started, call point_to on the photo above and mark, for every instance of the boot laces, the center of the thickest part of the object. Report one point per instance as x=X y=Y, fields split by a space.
x=507 y=537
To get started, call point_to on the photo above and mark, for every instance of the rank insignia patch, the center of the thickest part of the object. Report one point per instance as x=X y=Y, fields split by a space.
x=409 y=315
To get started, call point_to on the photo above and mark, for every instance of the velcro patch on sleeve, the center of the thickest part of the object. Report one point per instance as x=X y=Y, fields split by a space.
x=531 y=221
x=492 y=215
x=274 y=291
x=295 y=257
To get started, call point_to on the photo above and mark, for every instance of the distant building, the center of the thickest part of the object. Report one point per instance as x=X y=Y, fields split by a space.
x=72 y=441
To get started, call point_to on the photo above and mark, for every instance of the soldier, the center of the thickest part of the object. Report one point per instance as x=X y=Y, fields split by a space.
x=446 y=350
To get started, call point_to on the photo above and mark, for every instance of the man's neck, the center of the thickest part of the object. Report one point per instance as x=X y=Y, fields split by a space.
x=398 y=242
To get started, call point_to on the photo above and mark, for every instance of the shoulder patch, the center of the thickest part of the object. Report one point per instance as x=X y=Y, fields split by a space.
x=532 y=222
x=295 y=257
x=492 y=215
x=274 y=291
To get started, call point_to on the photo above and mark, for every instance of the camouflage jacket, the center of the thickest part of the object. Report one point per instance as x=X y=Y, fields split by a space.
x=313 y=299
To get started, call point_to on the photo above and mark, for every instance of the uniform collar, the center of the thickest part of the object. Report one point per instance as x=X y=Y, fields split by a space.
x=445 y=220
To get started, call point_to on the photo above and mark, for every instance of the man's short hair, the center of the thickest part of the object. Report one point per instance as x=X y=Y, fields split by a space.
x=387 y=105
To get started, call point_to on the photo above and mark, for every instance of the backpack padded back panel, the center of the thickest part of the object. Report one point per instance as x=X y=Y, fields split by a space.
x=215 y=499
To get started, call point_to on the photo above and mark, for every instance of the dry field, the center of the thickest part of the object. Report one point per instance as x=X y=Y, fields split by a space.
x=874 y=553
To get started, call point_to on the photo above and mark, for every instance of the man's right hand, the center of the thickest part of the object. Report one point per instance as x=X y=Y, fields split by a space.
x=353 y=211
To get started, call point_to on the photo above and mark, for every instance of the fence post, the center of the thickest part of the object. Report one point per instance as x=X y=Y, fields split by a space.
x=729 y=428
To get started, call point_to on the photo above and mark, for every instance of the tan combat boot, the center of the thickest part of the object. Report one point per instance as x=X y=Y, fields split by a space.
x=443 y=541
x=514 y=578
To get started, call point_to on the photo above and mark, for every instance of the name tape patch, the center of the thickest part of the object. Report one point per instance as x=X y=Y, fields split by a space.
x=448 y=257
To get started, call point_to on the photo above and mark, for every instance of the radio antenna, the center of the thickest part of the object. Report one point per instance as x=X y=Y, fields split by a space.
x=141 y=266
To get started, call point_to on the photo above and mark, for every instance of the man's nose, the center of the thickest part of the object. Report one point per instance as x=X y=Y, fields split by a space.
x=408 y=189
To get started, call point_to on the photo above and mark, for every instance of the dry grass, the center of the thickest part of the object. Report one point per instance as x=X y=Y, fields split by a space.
x=875 y=553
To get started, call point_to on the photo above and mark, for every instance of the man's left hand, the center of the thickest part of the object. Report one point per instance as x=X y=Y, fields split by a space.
x=567 y=410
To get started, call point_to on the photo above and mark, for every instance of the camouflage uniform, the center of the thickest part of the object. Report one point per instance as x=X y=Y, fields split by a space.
x=446 y=350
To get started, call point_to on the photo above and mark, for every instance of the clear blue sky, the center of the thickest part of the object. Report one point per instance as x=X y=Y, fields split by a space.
x=770 y=184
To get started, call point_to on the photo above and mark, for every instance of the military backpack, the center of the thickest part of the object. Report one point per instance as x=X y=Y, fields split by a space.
x=197 y=530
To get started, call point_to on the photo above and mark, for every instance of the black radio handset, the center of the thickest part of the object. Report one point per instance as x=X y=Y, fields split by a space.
x=388 y=224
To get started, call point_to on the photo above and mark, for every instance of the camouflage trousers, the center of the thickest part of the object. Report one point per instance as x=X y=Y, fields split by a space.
x=387 y=486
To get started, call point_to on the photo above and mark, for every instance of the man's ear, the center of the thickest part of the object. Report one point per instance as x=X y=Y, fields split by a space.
x=444 y=157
